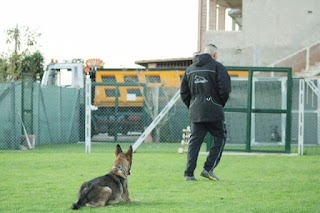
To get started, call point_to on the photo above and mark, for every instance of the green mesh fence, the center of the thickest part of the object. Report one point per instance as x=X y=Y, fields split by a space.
x=57 y=116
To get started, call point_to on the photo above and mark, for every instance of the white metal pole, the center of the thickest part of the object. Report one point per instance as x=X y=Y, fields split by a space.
x=155 y=101
x=88 y=115
x=308 y=59
x=301 y=117
x=207 y=15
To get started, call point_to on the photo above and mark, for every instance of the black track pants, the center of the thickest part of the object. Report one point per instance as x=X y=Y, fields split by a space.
x=198 y=133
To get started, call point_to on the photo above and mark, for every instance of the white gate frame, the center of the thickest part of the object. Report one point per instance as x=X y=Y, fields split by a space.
x=316 y=90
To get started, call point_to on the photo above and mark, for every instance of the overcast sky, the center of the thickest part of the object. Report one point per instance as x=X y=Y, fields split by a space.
x=118 y=32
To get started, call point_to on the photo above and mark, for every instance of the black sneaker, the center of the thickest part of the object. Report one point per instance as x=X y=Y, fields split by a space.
x=209 y=175
x=190 y=178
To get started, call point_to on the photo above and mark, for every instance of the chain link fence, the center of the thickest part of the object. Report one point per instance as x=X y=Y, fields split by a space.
x=40 y=117
x=309 y=127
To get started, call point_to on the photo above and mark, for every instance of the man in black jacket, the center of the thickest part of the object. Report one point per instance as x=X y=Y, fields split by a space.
x=205 y=90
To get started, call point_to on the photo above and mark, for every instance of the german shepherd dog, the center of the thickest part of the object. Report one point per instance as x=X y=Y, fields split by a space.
x=111 y=188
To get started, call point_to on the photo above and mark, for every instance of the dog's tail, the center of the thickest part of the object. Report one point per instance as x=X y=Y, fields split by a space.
x=76 y=206
x=82 y=200
x=80 y=203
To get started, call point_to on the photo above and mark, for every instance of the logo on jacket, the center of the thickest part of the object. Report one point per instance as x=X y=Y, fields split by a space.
x=199 y=80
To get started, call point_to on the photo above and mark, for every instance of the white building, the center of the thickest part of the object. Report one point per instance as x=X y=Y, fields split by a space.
x=263 y=32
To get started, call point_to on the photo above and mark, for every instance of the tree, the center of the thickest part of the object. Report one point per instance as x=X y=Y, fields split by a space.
x=3 y=69
x=25 y=55
x=33 y=64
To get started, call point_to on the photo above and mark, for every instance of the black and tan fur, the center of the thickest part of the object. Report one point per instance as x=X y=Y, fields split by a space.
x=111 y=188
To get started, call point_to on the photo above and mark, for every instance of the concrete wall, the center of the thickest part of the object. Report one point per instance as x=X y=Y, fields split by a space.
x=272 y=30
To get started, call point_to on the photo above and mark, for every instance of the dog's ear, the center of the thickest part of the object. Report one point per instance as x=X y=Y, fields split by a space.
x=118 y=149
x=129 y=152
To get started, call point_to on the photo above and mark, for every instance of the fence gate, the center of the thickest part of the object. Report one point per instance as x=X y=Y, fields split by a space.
x=258 y=113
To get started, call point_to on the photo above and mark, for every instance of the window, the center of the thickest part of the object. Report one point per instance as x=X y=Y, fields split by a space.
x=153 y=79
x=131 y=79
x=65 y=77
x=109 y=79
x=137 y=92
x=110 y=92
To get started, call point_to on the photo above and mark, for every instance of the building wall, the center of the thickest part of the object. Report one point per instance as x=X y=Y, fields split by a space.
x=271 y=30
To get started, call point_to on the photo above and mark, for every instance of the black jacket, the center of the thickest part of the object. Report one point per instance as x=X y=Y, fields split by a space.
x=205 y=89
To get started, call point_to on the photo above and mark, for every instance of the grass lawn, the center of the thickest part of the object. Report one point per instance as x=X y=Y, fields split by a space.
x=47 y=180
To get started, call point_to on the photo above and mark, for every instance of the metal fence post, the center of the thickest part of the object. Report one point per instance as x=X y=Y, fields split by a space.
x=288 y=113
x=13 y=133
x=249 y=111
x=301 y=117
x=88 y=114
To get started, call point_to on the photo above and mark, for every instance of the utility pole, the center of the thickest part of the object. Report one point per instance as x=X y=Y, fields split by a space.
x=16 y=35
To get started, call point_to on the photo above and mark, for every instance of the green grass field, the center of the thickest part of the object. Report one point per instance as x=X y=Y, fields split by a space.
x=47 y=180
